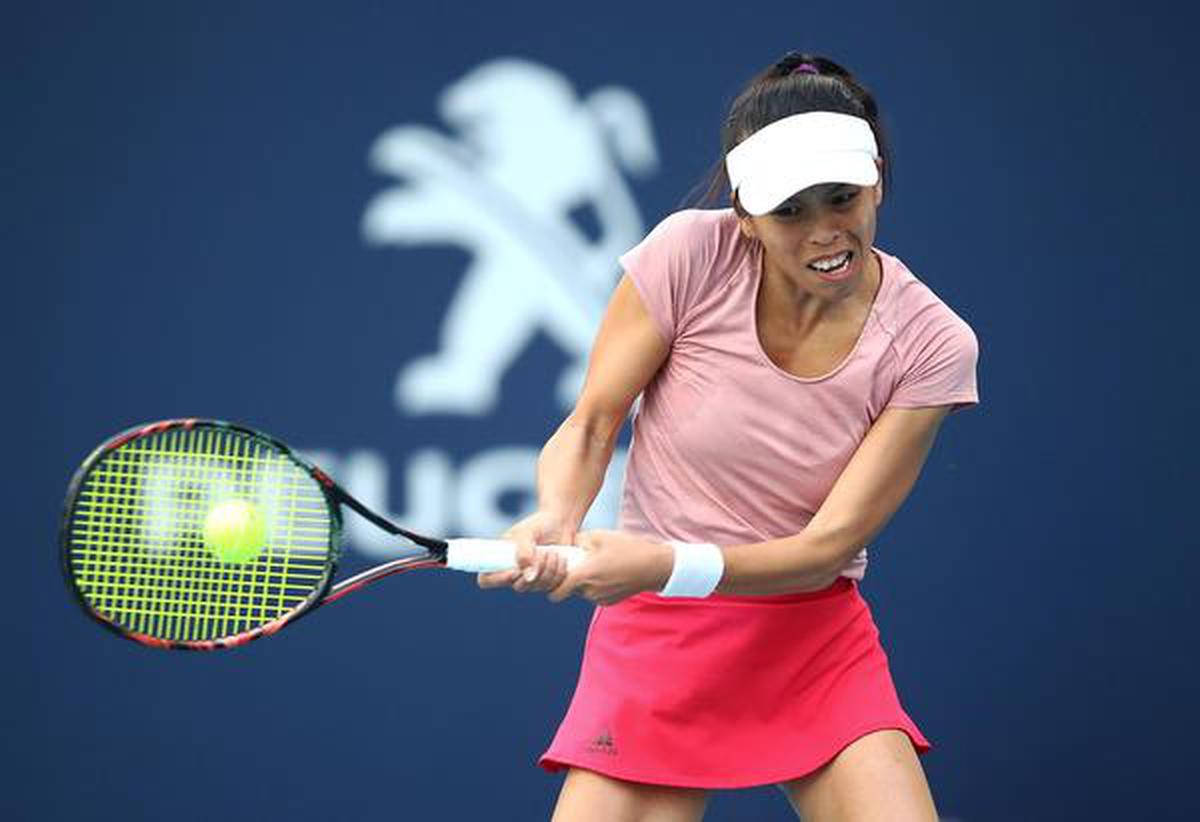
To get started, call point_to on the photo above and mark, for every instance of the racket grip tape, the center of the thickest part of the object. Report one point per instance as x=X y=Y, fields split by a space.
x=478 y=555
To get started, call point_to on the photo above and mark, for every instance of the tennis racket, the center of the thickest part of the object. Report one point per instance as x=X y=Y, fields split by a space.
x=201 y=534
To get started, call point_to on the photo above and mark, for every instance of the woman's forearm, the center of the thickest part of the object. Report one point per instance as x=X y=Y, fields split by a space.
x=572 y=465
x=808 y=561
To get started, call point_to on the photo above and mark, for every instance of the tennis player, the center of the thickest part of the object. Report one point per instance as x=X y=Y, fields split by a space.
x=793 y=378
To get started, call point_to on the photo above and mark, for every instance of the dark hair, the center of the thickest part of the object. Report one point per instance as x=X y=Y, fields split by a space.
x=796 y=84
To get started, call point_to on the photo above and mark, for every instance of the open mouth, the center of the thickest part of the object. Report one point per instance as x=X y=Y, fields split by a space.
x=833 y=267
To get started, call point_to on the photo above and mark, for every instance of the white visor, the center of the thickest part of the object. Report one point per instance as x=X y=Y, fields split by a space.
x=799 y=151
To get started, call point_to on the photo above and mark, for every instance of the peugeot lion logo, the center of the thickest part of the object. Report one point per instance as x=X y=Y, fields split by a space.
x=523 y=155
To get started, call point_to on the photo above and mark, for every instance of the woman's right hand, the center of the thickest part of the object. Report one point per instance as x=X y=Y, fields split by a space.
x=537 y=569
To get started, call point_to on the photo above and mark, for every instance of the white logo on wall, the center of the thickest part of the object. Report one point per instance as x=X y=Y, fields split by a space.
x=524 y=152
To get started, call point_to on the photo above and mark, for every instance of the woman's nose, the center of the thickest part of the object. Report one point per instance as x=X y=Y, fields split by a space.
x=825 y=234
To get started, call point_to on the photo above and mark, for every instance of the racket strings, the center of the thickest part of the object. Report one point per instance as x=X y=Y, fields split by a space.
x=137 y=549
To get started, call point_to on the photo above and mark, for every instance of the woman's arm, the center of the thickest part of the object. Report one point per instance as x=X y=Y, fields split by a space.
x=867 y=493
x=869 y=490
x=628 y=351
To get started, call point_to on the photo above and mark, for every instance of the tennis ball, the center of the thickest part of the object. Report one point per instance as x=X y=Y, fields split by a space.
x=234 y=531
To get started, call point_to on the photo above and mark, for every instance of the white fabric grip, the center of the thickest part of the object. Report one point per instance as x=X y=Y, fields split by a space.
x=480 y=555
x=799 y=151
x=698 y=569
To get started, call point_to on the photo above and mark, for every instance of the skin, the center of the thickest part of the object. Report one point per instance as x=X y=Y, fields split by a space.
x=806 y=326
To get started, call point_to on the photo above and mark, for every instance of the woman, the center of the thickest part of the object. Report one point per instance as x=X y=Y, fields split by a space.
x=793 y=378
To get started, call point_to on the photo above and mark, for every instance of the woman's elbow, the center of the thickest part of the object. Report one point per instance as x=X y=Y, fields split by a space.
x=833 y=549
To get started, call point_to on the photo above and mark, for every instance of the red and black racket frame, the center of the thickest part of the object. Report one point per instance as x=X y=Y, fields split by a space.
x=324 y=592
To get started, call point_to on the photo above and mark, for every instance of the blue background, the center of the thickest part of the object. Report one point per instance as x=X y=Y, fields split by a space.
x=183 y=189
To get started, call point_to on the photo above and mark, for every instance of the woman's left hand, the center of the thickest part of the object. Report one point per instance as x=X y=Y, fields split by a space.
x=618 y=565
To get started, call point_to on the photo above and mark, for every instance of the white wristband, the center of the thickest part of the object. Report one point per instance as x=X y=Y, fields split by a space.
x=698 y=569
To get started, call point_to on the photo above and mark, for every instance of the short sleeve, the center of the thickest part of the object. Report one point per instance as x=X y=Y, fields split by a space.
x=669 y=266
x=937 y=362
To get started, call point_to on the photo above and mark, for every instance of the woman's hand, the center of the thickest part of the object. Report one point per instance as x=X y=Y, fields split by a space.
x=537 y=569
x=617 y=566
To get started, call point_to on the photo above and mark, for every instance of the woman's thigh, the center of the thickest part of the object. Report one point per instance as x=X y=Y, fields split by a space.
x=587 y=796
x=876 y=777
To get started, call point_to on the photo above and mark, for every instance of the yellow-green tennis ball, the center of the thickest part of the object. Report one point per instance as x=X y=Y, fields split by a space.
x=234 y=531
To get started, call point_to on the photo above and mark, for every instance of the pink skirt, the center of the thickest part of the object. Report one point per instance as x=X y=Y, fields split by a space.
x=727 y=692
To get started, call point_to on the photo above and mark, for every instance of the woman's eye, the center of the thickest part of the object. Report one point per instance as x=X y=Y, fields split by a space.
x=786 y=211
x=844 y=196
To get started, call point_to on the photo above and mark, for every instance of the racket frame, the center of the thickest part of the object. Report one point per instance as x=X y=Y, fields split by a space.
x=325 y=591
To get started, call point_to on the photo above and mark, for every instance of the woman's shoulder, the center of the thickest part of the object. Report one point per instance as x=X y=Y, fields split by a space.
x=684 y=263
x=692 y=243
x=700 y=230
x=909 y=307
x=698 y=220
x=935 y=351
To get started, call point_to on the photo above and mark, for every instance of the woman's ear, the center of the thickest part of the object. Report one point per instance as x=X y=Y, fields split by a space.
x=879 y=185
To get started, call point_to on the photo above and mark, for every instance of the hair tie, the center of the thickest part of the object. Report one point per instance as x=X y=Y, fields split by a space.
x=806 y=68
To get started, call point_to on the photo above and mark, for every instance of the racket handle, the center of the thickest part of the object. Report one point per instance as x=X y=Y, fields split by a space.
x=476 y=555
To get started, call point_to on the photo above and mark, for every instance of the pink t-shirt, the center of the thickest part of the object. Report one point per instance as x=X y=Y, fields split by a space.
x=728 y=447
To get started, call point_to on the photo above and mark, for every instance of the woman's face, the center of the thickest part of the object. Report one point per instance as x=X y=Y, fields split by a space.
x=820 y=238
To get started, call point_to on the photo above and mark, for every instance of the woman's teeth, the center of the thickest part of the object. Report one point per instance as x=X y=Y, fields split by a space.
x=828 y=265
